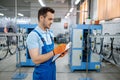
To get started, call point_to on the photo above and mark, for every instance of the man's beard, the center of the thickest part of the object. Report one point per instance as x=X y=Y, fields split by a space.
x=46 y=27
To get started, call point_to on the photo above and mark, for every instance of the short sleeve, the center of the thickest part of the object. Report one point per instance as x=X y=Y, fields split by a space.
x=32 y=41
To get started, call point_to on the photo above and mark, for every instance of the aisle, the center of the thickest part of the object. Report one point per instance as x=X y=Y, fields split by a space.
x=108 y=72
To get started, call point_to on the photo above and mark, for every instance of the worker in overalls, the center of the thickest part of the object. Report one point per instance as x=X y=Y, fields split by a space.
x=40 y=44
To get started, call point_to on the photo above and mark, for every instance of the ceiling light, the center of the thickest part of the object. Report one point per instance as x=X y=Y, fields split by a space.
x=19 y=14
x=71 y=9
x=77 y=1
x=1 y=14
x=66 y=17
x=68 y=14
x=41 y=3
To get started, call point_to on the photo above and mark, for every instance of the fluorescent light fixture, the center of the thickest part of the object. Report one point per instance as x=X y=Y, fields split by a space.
x=68 y=14
x=66 y=17
x=1 y=14
x=77 y=1
x=71 y=9
x=41 y=3
x=19 y=14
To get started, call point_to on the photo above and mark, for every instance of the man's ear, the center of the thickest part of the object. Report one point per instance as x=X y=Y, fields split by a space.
x=41 y=17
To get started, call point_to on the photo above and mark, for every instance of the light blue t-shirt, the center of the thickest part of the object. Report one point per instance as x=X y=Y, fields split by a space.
x=34 y=41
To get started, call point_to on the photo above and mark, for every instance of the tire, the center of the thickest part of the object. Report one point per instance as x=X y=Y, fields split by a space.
x=12 y=49
x=3 y=51
x=12 y=45
x=107 y=51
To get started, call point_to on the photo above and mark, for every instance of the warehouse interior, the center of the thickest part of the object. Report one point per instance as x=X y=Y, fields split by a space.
x=91 y=27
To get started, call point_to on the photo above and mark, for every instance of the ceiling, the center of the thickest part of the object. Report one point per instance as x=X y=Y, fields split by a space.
x=30 y=7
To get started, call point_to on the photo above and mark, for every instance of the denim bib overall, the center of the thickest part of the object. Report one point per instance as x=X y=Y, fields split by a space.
x=46 y=70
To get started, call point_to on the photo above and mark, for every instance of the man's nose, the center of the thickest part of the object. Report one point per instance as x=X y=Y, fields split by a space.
x=51 y=21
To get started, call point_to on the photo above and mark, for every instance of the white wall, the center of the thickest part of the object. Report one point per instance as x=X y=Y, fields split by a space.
x=111 y=27
x=34 y=12
x=58 y=27
x=94 y=9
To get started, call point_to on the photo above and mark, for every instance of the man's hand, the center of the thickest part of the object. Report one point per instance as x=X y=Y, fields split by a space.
x=59 y=49
x=63 y=54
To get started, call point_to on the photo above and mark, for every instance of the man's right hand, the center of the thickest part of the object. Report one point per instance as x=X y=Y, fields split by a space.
x=59 y=49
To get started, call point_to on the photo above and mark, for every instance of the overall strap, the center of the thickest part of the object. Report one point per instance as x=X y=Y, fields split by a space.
x=40 y=36
x=52 y=38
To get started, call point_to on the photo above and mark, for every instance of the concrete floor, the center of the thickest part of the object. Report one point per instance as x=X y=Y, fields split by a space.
x=108 y=71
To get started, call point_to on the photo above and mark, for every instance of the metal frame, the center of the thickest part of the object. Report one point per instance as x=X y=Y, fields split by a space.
x=28 y=59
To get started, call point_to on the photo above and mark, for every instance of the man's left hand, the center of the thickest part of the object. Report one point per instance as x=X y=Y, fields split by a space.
x=64 y=53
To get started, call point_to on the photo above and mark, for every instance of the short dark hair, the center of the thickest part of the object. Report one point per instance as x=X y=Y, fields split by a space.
x=43 y=11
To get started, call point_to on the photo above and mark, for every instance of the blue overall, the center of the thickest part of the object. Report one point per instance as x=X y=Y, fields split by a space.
x=46 y=70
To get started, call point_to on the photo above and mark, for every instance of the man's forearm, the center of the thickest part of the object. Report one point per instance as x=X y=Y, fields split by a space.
x=43 y=57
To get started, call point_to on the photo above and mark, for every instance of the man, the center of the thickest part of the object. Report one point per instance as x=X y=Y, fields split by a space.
x=40 y=44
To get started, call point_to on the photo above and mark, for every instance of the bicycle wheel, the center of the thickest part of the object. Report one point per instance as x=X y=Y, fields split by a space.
x=98 y=45
x=116 y=57
x=24 y=41
x=12 y=49
x=93 y=46
x=3 y=50
x=116 y=54
x=116 y=51
x=12 y=45
x=107 y=50
x=107 y=45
